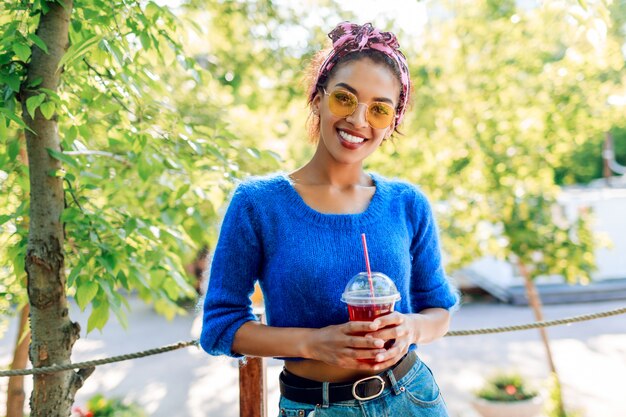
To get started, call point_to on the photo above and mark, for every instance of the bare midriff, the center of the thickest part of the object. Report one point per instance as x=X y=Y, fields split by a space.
x=323 y=372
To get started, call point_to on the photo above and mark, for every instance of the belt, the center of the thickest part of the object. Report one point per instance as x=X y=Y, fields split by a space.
x=307 y=391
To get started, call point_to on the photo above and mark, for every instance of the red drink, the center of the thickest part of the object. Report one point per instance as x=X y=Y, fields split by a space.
x=370 y=313
x=369 y=297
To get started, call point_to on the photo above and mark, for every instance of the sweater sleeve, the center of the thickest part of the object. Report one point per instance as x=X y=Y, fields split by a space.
x=234 y=269
x=429 y=284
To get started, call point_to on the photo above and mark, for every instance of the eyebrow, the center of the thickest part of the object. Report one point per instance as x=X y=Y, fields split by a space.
x=353 y=91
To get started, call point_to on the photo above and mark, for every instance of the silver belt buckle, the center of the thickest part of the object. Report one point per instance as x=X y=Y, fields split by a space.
x=358 y=397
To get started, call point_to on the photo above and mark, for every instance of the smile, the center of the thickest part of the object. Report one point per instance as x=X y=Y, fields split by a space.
x=350 y=138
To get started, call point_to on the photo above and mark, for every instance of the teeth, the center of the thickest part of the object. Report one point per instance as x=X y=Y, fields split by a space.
x=349 y=138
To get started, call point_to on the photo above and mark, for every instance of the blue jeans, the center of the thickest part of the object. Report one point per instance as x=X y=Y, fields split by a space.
x=415 y=395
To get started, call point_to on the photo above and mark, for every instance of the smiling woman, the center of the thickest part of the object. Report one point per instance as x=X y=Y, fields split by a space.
x=298 y=234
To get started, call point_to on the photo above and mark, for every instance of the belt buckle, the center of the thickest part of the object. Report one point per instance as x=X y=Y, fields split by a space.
x=358 y=397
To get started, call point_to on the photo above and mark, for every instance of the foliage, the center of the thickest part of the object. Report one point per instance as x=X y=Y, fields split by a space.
x=506 y=387
x=149 y=154
x=503 y=96
x=159 y=116
x=99 y=406
x=585 y=163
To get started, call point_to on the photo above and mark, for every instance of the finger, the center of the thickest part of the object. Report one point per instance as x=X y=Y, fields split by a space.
x=390 y=333
x=393 y=319
x=365 y=342
x=394 y=353
x=361 y=354
x=356 y=327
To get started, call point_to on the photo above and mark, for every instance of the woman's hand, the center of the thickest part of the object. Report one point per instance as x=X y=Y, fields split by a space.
x=424 y=327
x=402 y=329
x=345 y=345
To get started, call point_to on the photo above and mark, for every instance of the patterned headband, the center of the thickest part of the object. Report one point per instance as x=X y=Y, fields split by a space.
x=349 y=37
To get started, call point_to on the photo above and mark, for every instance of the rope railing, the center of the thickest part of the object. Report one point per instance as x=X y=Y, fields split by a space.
x=180 y=345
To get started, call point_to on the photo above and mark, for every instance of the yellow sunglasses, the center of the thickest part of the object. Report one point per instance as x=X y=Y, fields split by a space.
x=343 y=103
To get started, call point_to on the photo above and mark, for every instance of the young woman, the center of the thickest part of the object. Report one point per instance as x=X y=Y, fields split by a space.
x=299 y=235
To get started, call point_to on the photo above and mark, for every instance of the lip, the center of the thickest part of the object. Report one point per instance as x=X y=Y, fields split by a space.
x=350 y=145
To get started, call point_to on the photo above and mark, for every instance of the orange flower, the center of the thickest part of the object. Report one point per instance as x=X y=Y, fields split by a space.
x=510 y=389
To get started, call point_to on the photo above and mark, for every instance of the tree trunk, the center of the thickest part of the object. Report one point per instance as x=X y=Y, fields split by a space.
x=53 y=333
x=15 y=390
x=535 y=302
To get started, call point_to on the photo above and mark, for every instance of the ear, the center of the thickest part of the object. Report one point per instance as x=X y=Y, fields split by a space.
x=315 y=104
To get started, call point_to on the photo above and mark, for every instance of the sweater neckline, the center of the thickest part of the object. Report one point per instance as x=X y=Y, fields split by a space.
x=302 y=209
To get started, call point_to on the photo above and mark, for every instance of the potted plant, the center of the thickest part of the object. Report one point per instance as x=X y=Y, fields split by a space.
x=507 y=395
x=99 y=406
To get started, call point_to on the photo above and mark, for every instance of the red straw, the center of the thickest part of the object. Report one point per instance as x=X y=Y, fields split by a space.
x=367 y=264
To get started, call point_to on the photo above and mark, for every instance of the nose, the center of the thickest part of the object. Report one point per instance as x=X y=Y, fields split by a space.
x=358 y=117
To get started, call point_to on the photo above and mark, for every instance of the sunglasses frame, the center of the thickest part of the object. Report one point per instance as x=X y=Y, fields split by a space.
x=358 y=103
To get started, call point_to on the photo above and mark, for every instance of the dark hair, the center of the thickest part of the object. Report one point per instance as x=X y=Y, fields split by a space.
x=311 y=81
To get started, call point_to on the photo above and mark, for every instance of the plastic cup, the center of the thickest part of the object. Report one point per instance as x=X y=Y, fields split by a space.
x=367 y=302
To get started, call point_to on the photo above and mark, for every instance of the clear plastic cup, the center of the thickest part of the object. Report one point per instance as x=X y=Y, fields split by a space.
x=367 y=305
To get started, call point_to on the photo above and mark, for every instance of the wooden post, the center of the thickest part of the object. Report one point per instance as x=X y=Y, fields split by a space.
x=253 y=383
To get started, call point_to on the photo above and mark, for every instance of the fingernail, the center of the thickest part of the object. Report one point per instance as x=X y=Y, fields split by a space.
x=379 y=358
x=379 y=343
x=374 y=326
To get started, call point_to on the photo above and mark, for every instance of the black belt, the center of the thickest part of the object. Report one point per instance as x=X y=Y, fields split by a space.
x=307 y=391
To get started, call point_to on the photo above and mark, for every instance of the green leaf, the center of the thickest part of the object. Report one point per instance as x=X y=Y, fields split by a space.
x=4 y=218
x=182 y=190
x=60 y=156
x=71 y=134
x=145 y=40
x=12 y=80
x=11 y=116
x=122 y=279
x=144 y=168
x=77 y=50
x=47 y=109
x=13 y=149
x=3 y=127
x=35 y=82
x=22 y=51
x=33 y=102
x=39 y=42
x=70 y=214
x=72 y=277
x=107 y=260
x=152 y=11
x=53 y=95
x=85 y=292
x=99 y=317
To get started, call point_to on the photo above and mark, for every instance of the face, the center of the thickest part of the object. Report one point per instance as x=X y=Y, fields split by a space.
x=351 y=139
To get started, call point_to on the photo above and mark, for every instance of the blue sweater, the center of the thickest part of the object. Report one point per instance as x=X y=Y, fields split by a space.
x=303 y=258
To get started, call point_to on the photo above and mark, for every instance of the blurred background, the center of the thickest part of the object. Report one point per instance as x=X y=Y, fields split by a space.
x=516 y=133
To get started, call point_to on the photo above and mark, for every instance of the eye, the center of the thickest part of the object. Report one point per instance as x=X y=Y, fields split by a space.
x=344 y=98
x=381 y=109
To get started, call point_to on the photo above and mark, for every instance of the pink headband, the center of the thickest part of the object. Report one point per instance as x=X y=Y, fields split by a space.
x=349 y=37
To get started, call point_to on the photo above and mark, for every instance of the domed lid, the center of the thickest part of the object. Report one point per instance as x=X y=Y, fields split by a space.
x=359 y=292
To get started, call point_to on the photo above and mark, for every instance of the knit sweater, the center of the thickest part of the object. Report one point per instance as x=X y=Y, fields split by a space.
x=303 y=259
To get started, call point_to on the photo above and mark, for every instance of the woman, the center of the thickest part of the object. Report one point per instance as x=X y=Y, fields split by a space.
x=298 y=234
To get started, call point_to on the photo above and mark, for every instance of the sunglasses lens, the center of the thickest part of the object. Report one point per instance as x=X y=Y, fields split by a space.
x=342 y=103
x=380 y=115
